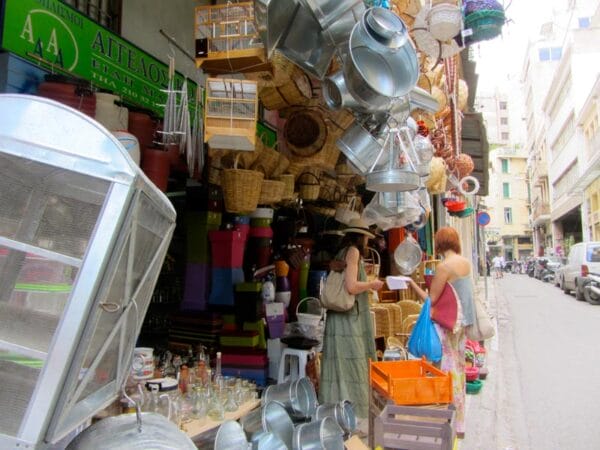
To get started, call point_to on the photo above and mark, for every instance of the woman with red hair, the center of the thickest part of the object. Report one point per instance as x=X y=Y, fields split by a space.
x=456 y=270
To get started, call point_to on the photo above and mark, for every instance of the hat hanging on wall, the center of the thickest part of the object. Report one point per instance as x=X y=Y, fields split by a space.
x=434 y=30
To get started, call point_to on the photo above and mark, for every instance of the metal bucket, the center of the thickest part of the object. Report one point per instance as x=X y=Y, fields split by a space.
x=268 y=441
x=297 y=397
x=321 y=434
x=362 y=149
x=272 y=418
x=342 y=412
x=273 y=19
x=328 y=12
x=231 y=435
x=382 y=59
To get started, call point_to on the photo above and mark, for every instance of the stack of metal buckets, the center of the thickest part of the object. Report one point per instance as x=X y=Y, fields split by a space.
x=290 y=419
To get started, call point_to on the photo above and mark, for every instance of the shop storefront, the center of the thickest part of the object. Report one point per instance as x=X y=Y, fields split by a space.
x=258 y=173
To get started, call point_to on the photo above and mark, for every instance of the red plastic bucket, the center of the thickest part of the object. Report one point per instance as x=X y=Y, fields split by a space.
x=156 y=167
x=227 y=248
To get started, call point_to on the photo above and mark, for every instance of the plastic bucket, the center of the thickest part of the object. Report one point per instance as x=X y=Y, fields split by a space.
x=324 y=433
x=272 y=418
x=342 y=412
x=297 y=397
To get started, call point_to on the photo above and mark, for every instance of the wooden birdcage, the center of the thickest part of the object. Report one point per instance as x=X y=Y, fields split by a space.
x=230 y=114
x=227 y=40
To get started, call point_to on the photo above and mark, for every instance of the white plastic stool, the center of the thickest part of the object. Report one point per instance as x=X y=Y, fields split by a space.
x=292 y=364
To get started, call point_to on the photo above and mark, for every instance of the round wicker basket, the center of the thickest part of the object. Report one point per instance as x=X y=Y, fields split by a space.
x=288 y=189
x=305 y=132
x=308 y=186
x=241 y=189
x=271 y=192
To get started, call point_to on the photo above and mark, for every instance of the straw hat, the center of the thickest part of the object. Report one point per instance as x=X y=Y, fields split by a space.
x=359 y=226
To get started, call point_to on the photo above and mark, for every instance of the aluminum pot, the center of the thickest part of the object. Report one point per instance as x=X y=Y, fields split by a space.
x=272 y=418
x=297 y=397
x=372 y=69
x=342 y=412
x=122 y=433
x=267 y=441
x=362 y=149
x=320 y=434
x=339 y=31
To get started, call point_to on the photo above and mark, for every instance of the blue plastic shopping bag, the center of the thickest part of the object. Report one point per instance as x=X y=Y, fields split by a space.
x=424 y=340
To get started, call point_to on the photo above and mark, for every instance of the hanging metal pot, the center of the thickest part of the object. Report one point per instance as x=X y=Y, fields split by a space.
x=273 y=18
x=306 y=45
x=362 y=149
x=382 y=60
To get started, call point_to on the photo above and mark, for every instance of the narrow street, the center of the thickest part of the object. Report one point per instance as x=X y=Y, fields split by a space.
x=543 y=390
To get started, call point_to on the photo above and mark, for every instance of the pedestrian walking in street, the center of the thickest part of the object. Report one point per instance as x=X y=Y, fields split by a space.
x=456 y=270
x=498 y=263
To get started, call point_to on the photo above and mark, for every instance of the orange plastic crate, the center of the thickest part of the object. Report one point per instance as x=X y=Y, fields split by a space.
x=412 y=382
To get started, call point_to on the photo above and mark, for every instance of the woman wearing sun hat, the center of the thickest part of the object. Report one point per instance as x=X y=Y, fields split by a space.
x=349 y=342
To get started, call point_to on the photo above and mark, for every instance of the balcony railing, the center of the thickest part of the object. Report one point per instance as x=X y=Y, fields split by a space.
x=539 y=208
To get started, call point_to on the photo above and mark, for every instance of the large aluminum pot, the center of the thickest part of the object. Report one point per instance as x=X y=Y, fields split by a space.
x=320 y=434
x=328 y=12
x=272 y=418
x=342 y=412
x=382 y=60
x=122 y=433
x=297 y=397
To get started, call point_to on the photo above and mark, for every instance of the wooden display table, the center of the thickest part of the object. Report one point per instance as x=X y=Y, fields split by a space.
x=196 y=428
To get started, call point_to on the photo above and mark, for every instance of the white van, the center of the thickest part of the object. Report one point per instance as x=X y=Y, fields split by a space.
x=584 y=257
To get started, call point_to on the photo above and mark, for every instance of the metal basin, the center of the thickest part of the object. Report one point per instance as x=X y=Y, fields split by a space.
x=394 y=180
x=328 y=12
x=297 y=397
x=121 y=433
x=231 y=435
x=342 y=412
x=268 y=441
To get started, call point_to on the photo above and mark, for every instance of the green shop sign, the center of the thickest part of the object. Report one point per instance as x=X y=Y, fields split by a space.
x=60 y=39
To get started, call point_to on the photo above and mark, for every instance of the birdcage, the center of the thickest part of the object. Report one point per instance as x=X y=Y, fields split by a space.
x=83 y=235
x=230 y=114
x=227 y=40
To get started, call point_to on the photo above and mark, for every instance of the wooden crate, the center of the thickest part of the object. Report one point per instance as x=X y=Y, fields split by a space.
x=230 y=113
x=227 y=40
x=414 y=428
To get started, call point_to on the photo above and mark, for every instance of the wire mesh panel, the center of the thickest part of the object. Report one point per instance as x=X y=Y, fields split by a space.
x=47 y=216
x=230 y=113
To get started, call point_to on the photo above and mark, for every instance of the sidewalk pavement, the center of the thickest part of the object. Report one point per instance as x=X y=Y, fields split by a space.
x=480 y=409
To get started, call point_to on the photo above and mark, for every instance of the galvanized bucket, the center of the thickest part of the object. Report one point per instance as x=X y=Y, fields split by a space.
x=267 y=441
x=297 y=397
x=272 y=418
x=321 y=434
x=342 y=412
x=362 y=149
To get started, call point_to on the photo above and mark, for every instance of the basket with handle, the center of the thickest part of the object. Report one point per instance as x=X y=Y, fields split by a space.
x=288 y=188
x=271 y=192
x=372 y=264
x=267 y=159
x=308 y=186
x=241 y=189
x=307 y=318
x=345 y=214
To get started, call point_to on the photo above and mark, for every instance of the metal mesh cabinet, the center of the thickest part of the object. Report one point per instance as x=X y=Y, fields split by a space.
x=83 y=234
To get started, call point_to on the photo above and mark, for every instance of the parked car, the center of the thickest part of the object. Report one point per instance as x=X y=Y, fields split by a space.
x=583 y=258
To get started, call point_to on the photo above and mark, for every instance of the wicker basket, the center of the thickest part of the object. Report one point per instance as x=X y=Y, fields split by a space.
x=271 y=192
x=396 y=316
x=297 y=91
x=305 y=132
x=267 y=159
x=383 y=321
x=308 y=186
x=288 y=189
x=241 y=189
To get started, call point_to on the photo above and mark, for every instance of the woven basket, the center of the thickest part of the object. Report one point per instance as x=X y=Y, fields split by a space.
x=282 y=165
x=440 y=96
x=297 y=91
x=267 y=159
x=271 y=192
x=383 y=321
x=485 y=24
x=288 y=188
x=395 y=315
x=305 y=132
x=309 y=186
x=241 y=189
x=463 y=94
